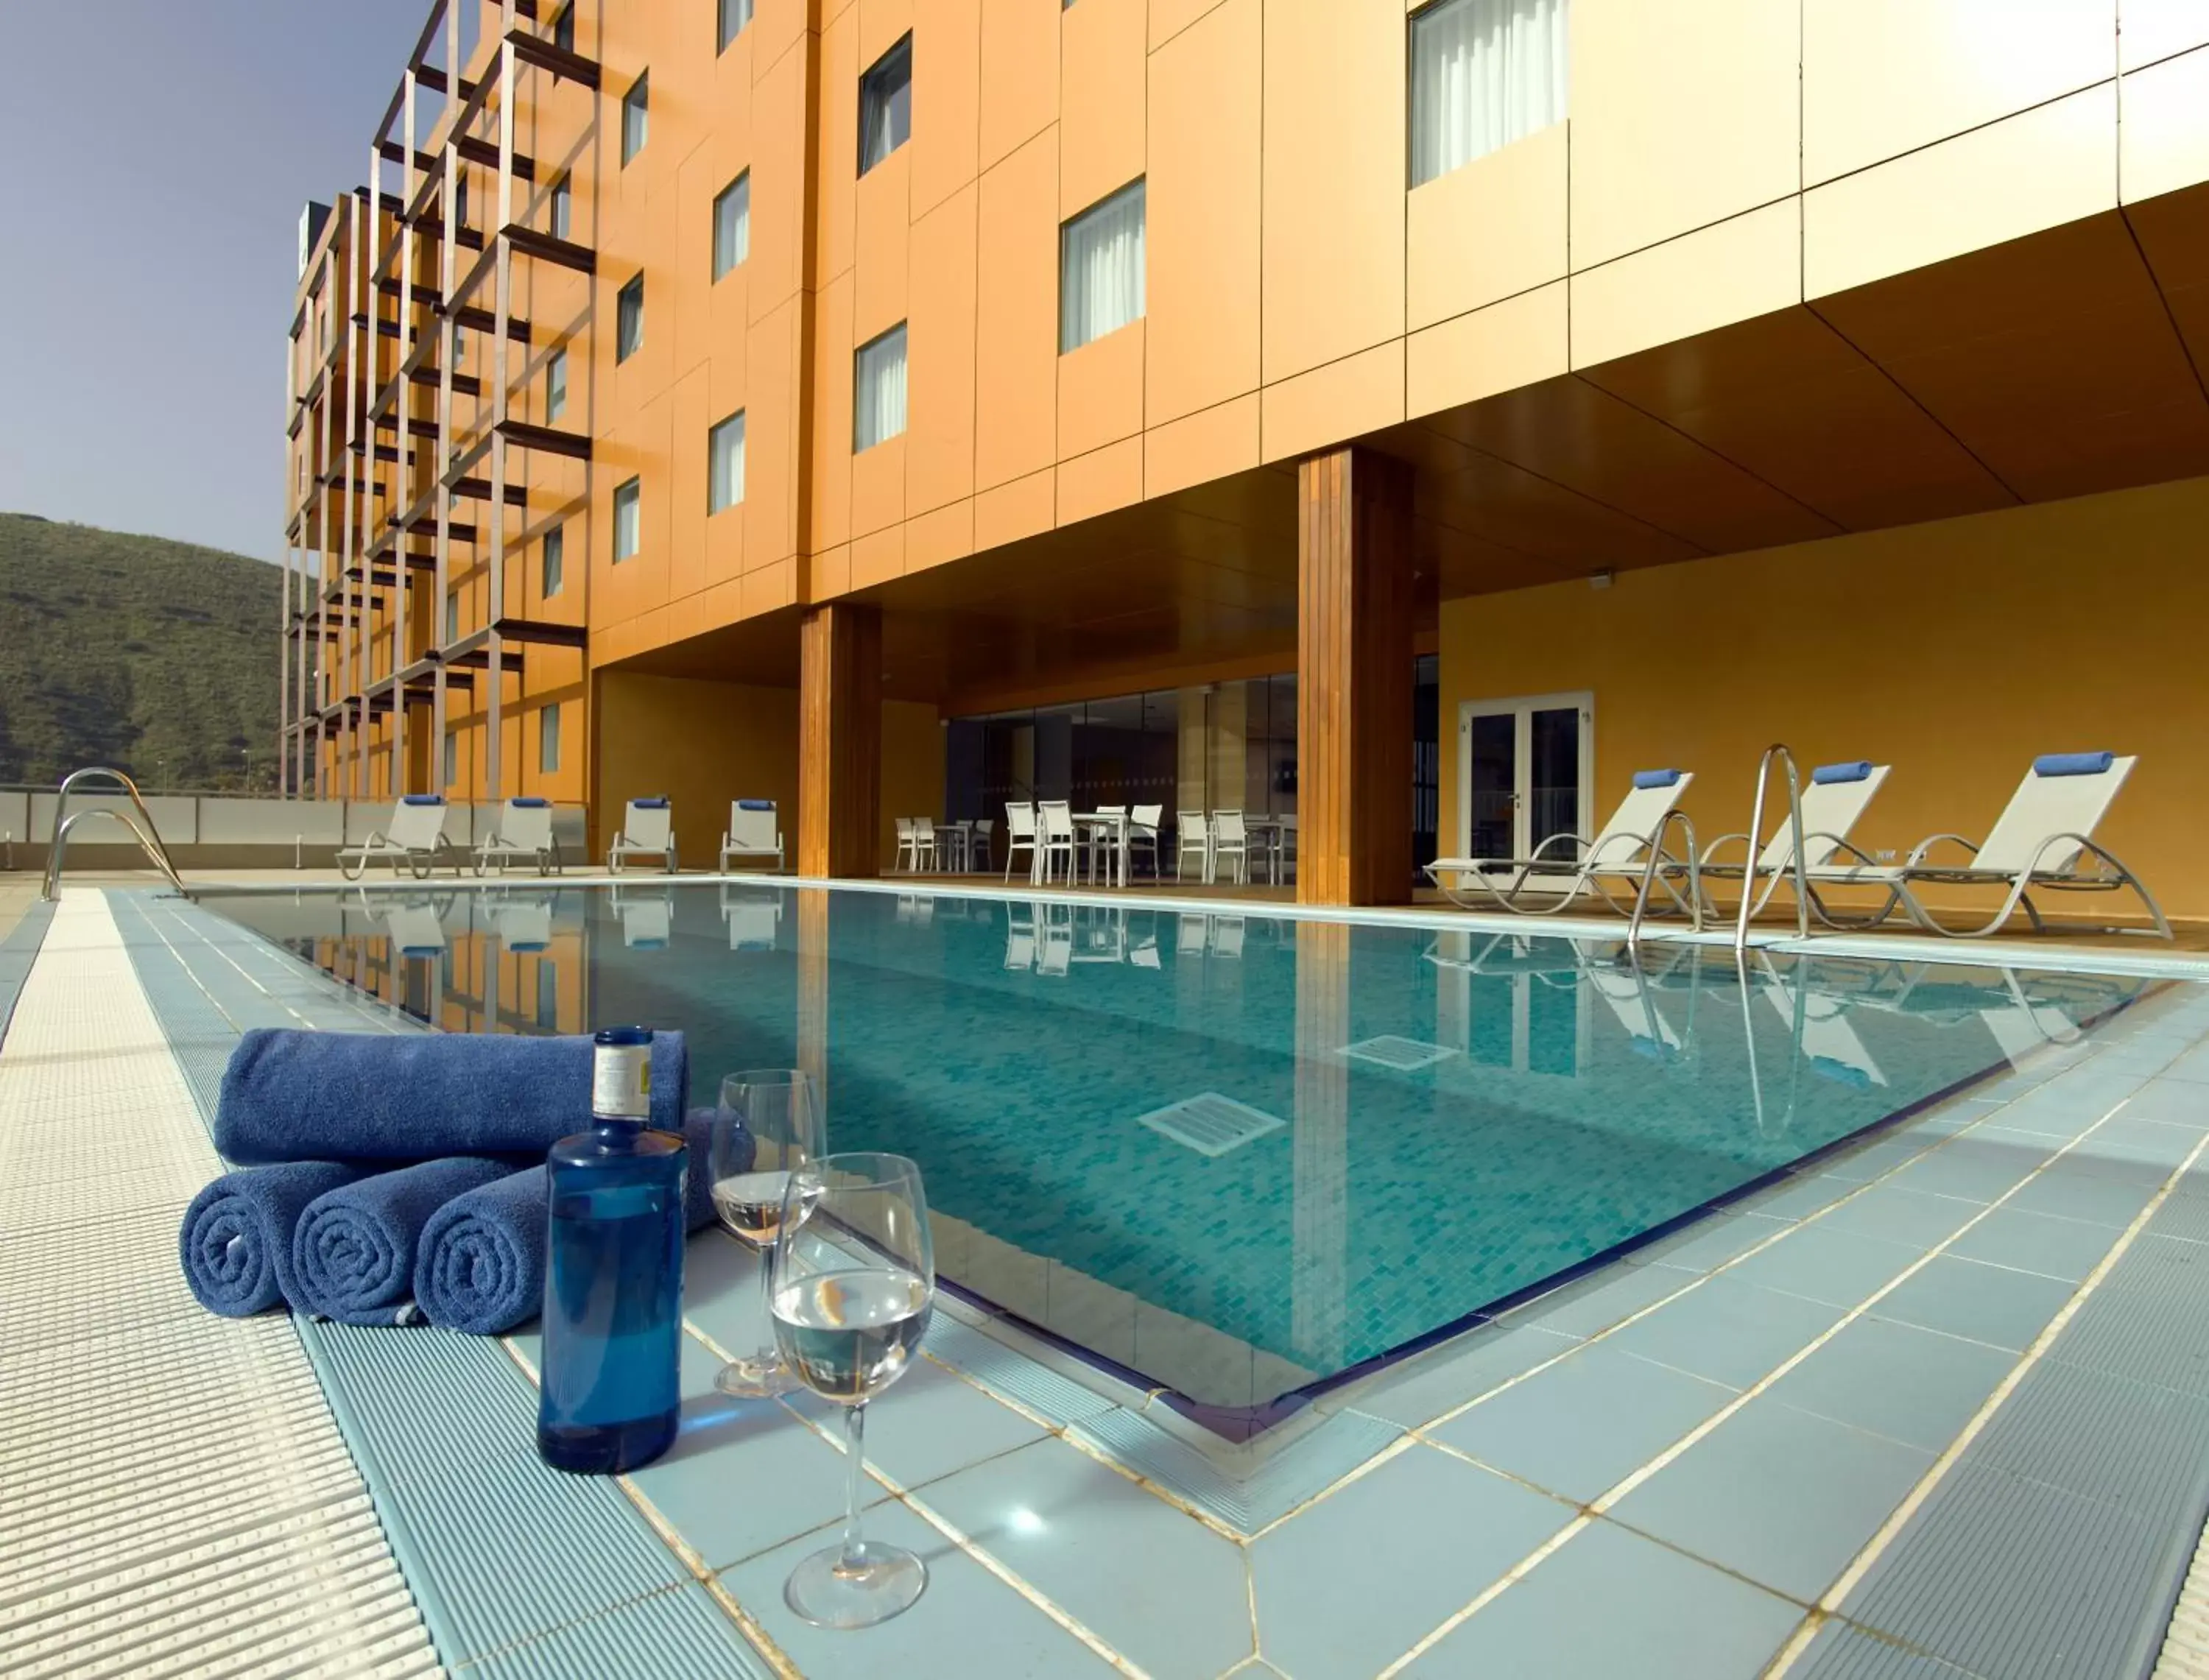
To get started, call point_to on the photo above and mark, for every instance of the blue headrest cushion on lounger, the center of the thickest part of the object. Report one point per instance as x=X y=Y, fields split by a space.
x=657 y=802
x=2073 y=763
x=1656 y=778
x=1855 y=769
x=529 y=802
x=1841 y=1073
x=421 y=798
x=754 y=804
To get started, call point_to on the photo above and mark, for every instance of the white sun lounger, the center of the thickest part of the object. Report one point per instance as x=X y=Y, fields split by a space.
x=1620 y=852
x=2043 y=840
x=524 y=832
x=1833 y=804
x=648 y=830
x=755 y=831
x=415 y=836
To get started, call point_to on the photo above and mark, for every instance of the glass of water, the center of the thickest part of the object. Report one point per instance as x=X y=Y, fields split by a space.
x=850 y=1284
x=769 y=1122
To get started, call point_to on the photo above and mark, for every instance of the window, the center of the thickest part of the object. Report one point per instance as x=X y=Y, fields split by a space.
x=1100 y=269
x=732 y=225
x=563 y=29
x=637 y=105
x=886 y=106
x=548 y=995
x=553 y=559
x=1484 y=74
x=555 y=385
x=452 y=756
x=561 y=208
x=628 y=320
x=451 y=619
x=725 y=462
x=548 y=738
x=626 y=521
x=460 y=199
x=731 y=18
x=878 y=389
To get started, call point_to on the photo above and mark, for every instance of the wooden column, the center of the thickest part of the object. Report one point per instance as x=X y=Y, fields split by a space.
x=839 y=741
x=1353 y=679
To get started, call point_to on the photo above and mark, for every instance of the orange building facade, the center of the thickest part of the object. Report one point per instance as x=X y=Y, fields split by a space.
x=1716 y=374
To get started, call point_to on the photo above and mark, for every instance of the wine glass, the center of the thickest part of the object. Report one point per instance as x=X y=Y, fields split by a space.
x=850 y=1285
x=768 y=1124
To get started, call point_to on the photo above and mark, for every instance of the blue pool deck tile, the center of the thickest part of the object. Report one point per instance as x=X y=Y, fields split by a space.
x=1153 y=1583
x=2028 y=1242
x=1729 y=1331
x=968 y=1622
x=1913 y=1386
x=1580 y=1427
x=1796 y=1196
x=1406 y=1544
x=1978 y=1166
x=1600 y=1299
x=1842 y=1652
x=1966 y=1298
x=1822 y=1263
x=1710 y=1242
x=1875 y=1160
x=1915 y=1218
x=927 y=1424
x=2173 y=1101
x=1610 y=1603
x=1444 y=1378
x=2072 y=1194
x=2129 y=1443
x=721 y=1292
x=1777 y=1495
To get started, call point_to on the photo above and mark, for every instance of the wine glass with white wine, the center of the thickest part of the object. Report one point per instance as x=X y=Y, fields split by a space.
x=850 y=1284
x=769 y=1123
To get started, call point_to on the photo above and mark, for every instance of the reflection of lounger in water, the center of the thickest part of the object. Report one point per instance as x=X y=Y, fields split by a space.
x=415 y=929
x=646 y=923
x=1829 y=1042
x=754 y=918
x=523 y=924
x=1633 y=998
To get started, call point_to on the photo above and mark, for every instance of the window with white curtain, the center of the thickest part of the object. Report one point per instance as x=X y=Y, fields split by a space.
x=724 y=464
x=732 y=225
x=886 y=105
x=628 y=519
x=1100 y=269
x=1484 y=74
x=548 y=738
x=878 y=389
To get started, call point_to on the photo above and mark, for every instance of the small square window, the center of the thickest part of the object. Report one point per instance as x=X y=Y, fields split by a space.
x=730 y=17
x=725 y=462
x=554 y=560
x=878 y=389
x=732 y=225
x=548 y=739
x=628 y=517
x=1100 y=280
x=628 y=320
x=555 y=385
x=562 y=211
x=886 y=105
x=563 y=29
x=636 y=107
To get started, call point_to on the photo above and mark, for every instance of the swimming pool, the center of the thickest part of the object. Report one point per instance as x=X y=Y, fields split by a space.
x=1236 y=1159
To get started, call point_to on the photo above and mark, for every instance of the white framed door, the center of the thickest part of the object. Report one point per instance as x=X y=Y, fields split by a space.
x=1525 y=770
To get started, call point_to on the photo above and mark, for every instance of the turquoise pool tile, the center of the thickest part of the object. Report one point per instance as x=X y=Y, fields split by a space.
x=1446 y=1377
x=1578 y=1428
x=743 y=1475
x=1599 y=1300
x=1988 y=1303
x=1910 y=1385
x=1153 y=1583
x=966 y=1623
x=929 y=1422
x=1777 y=1495
x=1610 y=1603
x=2029 y=1242
x=2074 y=1195
x=1710 y=1242
x=1913 y=1217
x=1821 y=1264
x=1729 y=1331
x=1407 y=1544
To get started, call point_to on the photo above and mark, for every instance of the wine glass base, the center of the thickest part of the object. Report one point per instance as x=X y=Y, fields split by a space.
x=828 y=1594
x=757 y=1376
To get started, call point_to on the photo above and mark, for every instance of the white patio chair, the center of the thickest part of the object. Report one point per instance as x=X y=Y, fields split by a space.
x=755 y=831
x=982 y=851
x=1100 y=839
x=524 y=831
x=648 y=830
x=754 y=918
x=2038 y=842
x=1193 y=834
x=1019 y=832
x=414 y=836
x=1619 y=852
x=1054 y=820
x=1230 y=839
x=923 y=843
x=907 y=852
x=1833 y=804
x=1143 y=824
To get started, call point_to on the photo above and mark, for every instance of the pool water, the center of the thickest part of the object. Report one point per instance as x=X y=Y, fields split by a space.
x=1235 y=1158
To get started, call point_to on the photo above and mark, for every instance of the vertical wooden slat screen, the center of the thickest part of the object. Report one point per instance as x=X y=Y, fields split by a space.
x=839 y=741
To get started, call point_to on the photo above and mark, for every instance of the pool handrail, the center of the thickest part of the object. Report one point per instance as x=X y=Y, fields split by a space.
x=149 y=839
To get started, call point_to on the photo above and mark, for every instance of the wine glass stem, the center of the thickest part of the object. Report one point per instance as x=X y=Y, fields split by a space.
x=854 y=1437
x=770 y=1355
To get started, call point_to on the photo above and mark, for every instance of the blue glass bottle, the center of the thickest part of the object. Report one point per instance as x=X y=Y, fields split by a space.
x=613 y=1278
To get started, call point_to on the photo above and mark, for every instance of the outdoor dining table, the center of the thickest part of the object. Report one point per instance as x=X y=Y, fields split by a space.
x=955 y=838
x=1274 y=832
x=1119 y=823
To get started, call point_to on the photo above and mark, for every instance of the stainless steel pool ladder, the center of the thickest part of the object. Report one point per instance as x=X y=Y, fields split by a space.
x=149 y=841
x=1778 y=749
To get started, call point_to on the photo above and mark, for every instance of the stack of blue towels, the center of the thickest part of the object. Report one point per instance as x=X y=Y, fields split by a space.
x=385 y=1178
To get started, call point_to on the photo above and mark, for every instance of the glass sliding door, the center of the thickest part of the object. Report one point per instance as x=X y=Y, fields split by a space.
x=1525 y=772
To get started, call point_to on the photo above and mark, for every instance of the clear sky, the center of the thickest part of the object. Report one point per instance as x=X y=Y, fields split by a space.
x=158 y=154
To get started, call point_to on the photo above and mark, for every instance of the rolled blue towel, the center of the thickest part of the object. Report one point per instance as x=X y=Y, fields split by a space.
x=353 y=1255
x=2073 y=763
x=481 y=1268
x=292 y=1096
x=1852 y=770
x=236 y=1240
x=1656 y=778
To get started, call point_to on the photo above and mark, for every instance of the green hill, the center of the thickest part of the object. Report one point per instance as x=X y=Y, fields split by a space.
x=156 y=657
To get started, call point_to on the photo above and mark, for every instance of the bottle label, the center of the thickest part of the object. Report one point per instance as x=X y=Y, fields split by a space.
x=621 y=1082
